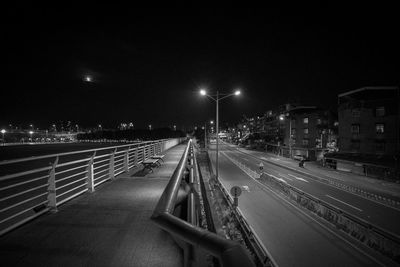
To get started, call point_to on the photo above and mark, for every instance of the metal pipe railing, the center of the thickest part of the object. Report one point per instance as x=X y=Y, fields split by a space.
x=28 y=180
x=230 y=253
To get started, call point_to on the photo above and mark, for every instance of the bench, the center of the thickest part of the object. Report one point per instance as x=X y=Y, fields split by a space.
x=150 y=163
x=160 y=157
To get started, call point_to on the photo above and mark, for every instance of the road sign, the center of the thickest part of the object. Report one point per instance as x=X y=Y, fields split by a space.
x=261 y=166
x=236 y=191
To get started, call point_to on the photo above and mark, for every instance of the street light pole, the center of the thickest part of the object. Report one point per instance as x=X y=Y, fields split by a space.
x=290 y=137
x=217 y=132
x=217 y=98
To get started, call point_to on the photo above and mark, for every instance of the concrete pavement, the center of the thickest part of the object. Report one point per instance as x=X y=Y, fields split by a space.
x=110 y=227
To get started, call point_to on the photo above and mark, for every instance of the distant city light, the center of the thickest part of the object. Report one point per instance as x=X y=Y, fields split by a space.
x=3 y=131
x=30 y=132
x=88 y=79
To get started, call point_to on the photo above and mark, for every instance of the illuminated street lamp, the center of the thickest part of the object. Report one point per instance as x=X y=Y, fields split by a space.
x=282 y=118
x=217 y=97
x=3 y=131
x=88 y=79
x=31 y=133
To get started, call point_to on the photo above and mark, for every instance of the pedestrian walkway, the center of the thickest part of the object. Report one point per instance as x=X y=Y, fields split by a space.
x=110 y=227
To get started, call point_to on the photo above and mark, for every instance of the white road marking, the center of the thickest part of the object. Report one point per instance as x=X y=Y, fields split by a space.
x=298 y=178
x=245 y=187
x=284 y=176
x=263 y=158
x=344 y=203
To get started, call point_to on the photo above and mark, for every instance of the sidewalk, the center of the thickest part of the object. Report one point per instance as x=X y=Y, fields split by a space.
x=110 y=227
x=381 y=187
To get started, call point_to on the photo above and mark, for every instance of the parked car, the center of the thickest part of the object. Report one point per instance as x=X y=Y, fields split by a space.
x=300 y=157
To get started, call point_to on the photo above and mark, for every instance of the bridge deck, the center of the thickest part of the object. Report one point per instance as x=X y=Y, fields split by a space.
x=110 y=227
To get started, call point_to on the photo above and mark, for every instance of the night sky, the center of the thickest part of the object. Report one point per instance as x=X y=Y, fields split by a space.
x=148 y=64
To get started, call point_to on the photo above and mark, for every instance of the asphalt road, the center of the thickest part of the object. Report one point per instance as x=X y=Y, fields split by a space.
x=292 y=237
x=383 y=216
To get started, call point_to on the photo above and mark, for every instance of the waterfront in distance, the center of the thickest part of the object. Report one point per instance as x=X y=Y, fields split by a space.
x=32 y=150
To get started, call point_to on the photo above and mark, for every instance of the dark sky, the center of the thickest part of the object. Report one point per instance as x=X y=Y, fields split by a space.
x=147 y=64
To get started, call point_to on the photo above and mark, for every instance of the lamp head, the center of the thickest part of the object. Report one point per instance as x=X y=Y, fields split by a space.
x=203 y=92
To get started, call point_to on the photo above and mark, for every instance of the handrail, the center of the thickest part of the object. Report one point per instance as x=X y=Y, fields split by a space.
x=139 y=145
x=26 y=185
x=229 y=252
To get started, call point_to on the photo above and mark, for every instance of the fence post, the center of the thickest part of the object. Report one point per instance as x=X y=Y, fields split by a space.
x=90 y=175
x=112 y=165
x=52 y=197
x=135 y=161
x=144 y=152
x=126 y=159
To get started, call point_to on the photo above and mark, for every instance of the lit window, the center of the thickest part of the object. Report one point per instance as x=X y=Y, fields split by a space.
x=305 y=120
x=305 y=130
x=355 y=128
x=380 y=128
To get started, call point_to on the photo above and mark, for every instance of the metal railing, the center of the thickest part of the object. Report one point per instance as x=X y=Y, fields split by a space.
x=32 y=186
x=229 y=253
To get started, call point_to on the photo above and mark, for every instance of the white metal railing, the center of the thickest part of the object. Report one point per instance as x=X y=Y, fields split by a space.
x=32 y=186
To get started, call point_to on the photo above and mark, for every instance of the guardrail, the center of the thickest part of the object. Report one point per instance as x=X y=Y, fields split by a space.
x=229 y=253
x=32 y=186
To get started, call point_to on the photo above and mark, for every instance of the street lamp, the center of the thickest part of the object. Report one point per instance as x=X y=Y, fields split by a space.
x=3 y=131
x=31 y=133
x=217 y=97
x=282 y=118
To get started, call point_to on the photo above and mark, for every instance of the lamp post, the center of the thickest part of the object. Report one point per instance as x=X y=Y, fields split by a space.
x=205 y=134
x=217 y=97
x=3 y=131
x=282 y=117
x=31 y=133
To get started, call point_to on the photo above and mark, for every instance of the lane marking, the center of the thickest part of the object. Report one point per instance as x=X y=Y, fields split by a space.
x=298 y=178
x=284 y=176
x=344 y=203
x=263 y=158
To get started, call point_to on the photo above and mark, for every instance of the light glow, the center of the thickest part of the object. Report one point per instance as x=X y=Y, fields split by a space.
x=203 y=92
x=237 y=92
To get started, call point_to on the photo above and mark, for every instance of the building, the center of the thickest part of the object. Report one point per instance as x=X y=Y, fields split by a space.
x=368 y=132
x=308 y=131
x=369 y=120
